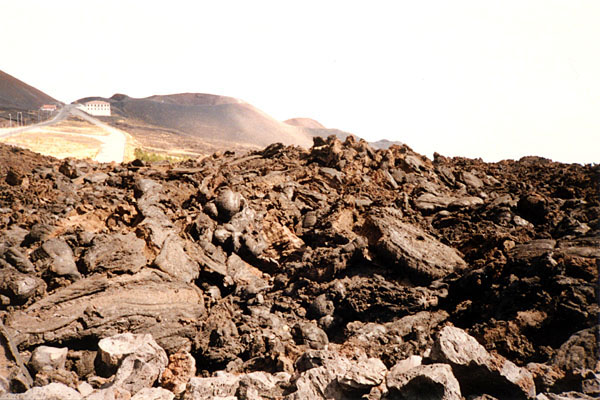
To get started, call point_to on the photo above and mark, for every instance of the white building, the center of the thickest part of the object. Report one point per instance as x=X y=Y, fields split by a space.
x=97 y=107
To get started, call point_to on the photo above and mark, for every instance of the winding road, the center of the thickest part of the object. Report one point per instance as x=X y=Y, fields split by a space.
x=113 y=144
x=63 y=113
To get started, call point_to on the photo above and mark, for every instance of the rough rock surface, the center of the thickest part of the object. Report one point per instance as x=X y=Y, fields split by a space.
x=421 y=256
x=434 y=381
x=181 y=368
x=14 y=377
x=59 y=258
x=479 y=371
x=46 y=357
x=118 y=253
x=98 y=306
x=173 y=260
x=141 y=365
x=338 y=272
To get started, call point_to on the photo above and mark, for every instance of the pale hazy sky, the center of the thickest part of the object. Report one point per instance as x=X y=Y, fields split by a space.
x=490 y=79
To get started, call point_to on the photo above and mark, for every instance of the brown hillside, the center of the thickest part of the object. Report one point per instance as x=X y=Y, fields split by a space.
x=193 y=123
x=17 y=95
x=217 y=121
x=304 y=123
x=316 y=129
x=194 y=99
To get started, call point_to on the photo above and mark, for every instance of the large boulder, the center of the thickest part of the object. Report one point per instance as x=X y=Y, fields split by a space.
x=220 y=386
x=52 y=391
x=19 y=287
x=116 y=252
x=58 y=257
x=319 y=371
x=147 y=302
x=577 y=359
x=478 y=371
x=17 y=259
x=181 y=368
x=363 y=375
x=429 y=202
x=224 y=385
x=46 y=357
x=309 y=334
x=155 y=226
x=228 y=204
x=579 y=352
x=139 y=359
x=326 y=374
x=374 y=297
x=14 y=178
x=409 y=248
x=14 y=376
x=173 y=260
x=533 y=207
x=432 y=382
x=249 y=280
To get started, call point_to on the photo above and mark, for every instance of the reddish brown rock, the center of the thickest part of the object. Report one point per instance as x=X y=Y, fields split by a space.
x=179 y=371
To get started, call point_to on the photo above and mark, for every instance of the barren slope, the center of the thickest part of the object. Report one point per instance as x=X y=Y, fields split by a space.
x=17 y=95
x=218 y=122
x=305 y=123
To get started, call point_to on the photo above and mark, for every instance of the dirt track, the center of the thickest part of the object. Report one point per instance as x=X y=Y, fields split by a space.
x=113 y=145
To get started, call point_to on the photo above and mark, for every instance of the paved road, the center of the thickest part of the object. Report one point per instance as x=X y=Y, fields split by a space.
x=63 y=113
x=113 y=145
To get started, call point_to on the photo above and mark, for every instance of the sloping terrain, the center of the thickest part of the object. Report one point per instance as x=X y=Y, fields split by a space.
x=203 y=122
x=385 y=144
x=192 y=124
x=305 y=123
x=17 y=95
x=316 y=129
x=335 y=272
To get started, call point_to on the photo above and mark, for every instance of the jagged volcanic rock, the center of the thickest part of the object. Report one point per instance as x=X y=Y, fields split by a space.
x=335 y=272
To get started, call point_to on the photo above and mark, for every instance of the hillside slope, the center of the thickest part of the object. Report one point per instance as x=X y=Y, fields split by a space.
x=17 y=95
x=305 y=123
x=193 y=123
x=215 y=122
x=316 y=129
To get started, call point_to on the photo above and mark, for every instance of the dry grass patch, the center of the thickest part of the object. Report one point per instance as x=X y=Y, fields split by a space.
x=55 y=144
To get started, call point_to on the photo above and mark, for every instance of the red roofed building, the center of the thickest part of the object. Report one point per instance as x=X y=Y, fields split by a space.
x=48 y=107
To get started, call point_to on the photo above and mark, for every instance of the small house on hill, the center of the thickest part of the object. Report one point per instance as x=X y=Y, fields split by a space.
x=97 y=107
x=48 y=107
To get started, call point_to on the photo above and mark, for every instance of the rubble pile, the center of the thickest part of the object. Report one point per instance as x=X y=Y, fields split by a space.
x=338 y=272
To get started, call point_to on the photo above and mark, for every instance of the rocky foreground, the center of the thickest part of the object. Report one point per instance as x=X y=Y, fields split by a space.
x=334 y=273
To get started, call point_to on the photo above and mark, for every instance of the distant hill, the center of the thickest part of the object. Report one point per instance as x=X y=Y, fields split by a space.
x=315 y=128
x=192 y=123
x=305 y=123
x=385 y=144
x=212 y=122
x=17 y=95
